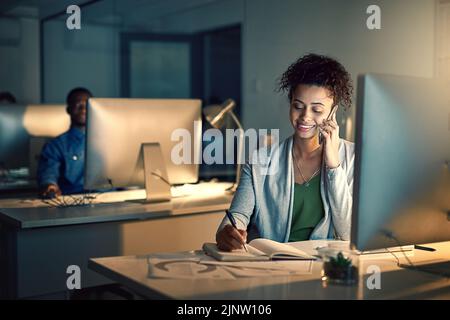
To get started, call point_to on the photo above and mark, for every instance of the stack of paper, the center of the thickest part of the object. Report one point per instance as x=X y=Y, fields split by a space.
x=196 y=265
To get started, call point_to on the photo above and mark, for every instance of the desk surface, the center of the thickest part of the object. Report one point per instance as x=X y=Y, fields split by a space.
x=396 y=283
x=39 y=216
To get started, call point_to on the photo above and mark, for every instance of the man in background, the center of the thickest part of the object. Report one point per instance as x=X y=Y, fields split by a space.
x=61 y=165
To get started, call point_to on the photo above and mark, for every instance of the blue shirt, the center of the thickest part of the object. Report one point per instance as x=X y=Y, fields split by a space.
x=62 y=162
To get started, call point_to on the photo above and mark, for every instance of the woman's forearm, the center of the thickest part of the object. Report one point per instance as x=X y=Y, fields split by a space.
x=243 y=202
x=340 y=195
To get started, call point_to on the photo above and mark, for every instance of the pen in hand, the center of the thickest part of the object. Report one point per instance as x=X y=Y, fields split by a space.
x=233 y=222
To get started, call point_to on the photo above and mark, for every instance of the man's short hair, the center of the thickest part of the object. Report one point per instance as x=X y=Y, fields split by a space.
x=75 y=92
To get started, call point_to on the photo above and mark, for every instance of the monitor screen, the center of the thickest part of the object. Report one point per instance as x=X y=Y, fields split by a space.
x=402 y=185
x=117 y=129
x=20 y=123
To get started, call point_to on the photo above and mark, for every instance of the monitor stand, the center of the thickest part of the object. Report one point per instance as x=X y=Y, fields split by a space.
x=157 y=185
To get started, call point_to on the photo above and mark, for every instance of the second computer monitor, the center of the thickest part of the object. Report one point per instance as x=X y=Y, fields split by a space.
x=22 y=125
x=117 y=129
x=401 y=183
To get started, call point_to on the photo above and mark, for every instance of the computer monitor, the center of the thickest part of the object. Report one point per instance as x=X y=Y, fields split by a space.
x=118 y=128
x=401 y=192
x=19 y=123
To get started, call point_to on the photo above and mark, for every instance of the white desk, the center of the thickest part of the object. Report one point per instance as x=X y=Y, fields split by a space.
x=37 y=244
x=396 y=283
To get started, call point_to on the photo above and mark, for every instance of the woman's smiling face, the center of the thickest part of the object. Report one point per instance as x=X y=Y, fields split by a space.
x=310 y=106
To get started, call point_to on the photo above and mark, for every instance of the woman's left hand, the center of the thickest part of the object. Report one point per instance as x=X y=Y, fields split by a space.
x=330 y=131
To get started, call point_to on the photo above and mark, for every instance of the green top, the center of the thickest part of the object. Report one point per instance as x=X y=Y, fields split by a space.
x=307 y=210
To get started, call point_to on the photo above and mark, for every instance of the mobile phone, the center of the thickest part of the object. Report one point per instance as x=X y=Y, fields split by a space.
x=328 y=118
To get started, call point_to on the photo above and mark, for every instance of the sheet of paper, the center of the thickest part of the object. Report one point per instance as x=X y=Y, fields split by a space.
x=197 y=265
x=194 y=255
x=184 y=265
x=182 y=269
x=256 y=272
x=292 y=265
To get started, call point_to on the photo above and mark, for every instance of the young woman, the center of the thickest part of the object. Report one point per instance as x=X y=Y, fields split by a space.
x=310 y=194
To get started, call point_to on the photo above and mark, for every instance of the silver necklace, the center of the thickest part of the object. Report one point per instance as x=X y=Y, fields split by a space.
x=297 y=163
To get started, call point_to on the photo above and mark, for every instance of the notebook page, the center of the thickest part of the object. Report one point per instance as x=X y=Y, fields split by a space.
x=235 y=255
x=271 y=248
x=252 y=251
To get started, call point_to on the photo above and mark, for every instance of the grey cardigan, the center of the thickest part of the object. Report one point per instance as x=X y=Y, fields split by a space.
x=263 y=202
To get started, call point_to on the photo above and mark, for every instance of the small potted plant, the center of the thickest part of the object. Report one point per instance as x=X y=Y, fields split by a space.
x=340 y=267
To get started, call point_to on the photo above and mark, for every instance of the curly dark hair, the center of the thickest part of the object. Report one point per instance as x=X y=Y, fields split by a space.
x=322 y=71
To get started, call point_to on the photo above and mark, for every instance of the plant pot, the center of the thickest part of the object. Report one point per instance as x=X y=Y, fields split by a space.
x=340 y=266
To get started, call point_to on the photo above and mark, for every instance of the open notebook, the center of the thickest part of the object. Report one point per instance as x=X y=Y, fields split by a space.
x=258 y=250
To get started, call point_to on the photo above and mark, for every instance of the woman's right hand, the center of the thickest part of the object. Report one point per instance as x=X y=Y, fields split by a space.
x=229 y=238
